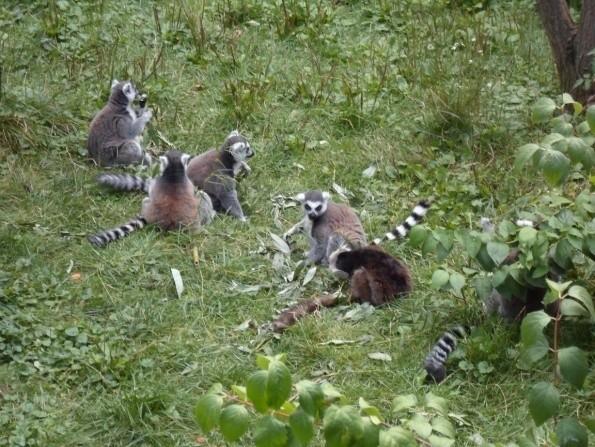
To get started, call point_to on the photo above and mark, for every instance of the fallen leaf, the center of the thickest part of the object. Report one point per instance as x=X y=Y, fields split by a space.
x=380 y=356
x=175 y=273
x=280 y=244
x=75 y=276
x=309 y=275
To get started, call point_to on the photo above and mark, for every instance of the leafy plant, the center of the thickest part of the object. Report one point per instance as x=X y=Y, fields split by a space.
x=280 y=417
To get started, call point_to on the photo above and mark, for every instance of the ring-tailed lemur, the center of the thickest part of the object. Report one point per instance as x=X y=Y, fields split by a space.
x=375 y=276
x=115 y=132
x=435 y=362
x=328 y=225
x=213 y=171
x=171 y=204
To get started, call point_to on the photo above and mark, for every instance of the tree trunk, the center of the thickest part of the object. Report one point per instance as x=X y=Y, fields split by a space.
x=570 y=43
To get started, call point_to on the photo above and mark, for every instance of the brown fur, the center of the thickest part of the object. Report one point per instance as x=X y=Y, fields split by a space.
x=341 y=220
x=171 y=206
x=375 y=276
x=295 y=313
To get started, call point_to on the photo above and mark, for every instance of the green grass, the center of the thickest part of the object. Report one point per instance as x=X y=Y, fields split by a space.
x=96 y=349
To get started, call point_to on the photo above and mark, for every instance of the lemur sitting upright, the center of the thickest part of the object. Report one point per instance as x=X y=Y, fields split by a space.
x=115 y=132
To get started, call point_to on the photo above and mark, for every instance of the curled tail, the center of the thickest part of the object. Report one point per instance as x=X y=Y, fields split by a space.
x=290 y=316
x=124 y=182
x=436 y=359
x=105 y=237
x=403 y=229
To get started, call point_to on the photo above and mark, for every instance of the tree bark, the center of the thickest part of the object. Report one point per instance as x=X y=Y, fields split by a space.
x=570 y=43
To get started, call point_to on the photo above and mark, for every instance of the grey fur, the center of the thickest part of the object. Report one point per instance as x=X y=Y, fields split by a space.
x=115 y=132
x=328 y=226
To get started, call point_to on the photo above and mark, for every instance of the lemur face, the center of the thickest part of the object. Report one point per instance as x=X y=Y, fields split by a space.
x=314 y=202
x=238 y=146
x=126 y=87
x=175 y=160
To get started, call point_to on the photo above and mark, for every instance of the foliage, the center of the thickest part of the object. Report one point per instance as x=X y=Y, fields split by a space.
x=523 y=261
x=315 y=410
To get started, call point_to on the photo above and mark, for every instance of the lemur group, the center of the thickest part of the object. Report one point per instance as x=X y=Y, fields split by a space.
x=190 y=191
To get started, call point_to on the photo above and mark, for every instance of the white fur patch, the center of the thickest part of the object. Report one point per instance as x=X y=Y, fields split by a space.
x=420 y=210
x=401 y=230
x=163 y=161
x=411 y=221
x=185 y=159
x=115 y=82
x=233 y=133
x=377 y=241
x=390 y=236
x=301 y=197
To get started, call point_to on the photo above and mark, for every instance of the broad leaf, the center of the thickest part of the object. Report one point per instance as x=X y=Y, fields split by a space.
x=420 y=425
x=443 y=426
x=270 y=432
x=581 y=295
x=208 y=411
x=542 y=110
x=396 y=437
x=591 y=118
x=278 y=384
x=544 y=402
x=534 y=342
x=439 y=441
x=555 y=166
x=302 y=426
x=571 y=433
x=417 y=236
x=404 y=402
x=497 y=251
x=527 y=236
x=524 y=154
x=256 y=390
x=574 y=366
x=342 y=426
x=439 y=279
x=438 y=403
x=234 y=422
x=370 y=436
x=457 y=282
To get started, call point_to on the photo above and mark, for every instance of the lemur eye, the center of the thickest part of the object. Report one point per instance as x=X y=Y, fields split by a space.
x=308 y=208
x=319 y=207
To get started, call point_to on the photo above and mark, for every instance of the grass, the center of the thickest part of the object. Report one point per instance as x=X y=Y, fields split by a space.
x=96 y=349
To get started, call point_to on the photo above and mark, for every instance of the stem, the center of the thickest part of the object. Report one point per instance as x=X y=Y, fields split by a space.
x=557 y=319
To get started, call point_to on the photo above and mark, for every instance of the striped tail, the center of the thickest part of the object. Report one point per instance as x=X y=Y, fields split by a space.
x=124 y=182
x=105 y=237
x=403 y=229
x=436 y=359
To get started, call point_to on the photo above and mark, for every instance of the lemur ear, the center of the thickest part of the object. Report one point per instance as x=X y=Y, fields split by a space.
x=114 y=83
x=163 y=161
x=233 y=133
x=301 y=197
x=185 y=159
x=326 y=195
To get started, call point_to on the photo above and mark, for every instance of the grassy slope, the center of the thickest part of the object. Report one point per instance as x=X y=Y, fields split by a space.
x=383 y=84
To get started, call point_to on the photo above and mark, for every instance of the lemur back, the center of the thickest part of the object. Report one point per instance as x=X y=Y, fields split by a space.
x=171 y=204
x=115 y=132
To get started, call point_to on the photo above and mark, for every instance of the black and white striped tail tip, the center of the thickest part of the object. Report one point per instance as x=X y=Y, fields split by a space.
x=435 y=362
x=123 y=182
x=416 y=216
x=103 y=238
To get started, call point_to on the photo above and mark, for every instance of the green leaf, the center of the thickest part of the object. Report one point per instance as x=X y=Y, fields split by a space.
x=396 y=437
x=555 y=166
x=278 y=384
x=208 y=411
x=302 y=426
x=370 y=436
x=457 y=282
x=404 y=402
x=342 y=426
x=310 y=397
x=270 y=432
x=527 y=236
x=239 y=391
x=443 y=426
x=558 y=287
x=420 y=425
x=544 y=402
x=563 y=253
x=497 y=251
x=439 y=441
x=570 y=308
x=574 y=366
x=417 y=236
x=581 y=295
x=438 y=403
x=262 y=361
x=234 y=422
x=370 y=410
x=439 y=279
x=542 y=110
x=591 y=118
x=256 y=390
x=471 y=243
x=533 y=341
x=571 y=433
x=590 y=423
x=524 y=154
